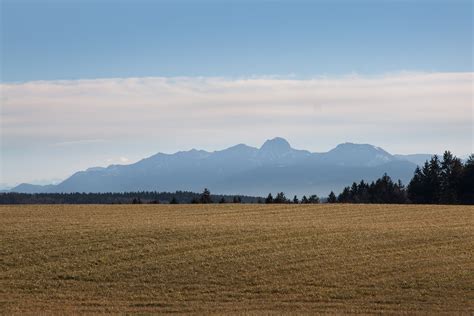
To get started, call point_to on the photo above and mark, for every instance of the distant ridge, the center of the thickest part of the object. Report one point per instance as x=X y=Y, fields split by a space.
x=242 y=169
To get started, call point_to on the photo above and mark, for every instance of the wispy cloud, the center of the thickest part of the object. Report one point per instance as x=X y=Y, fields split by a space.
x=120 y=160
x=350 y=107
x=79 y=142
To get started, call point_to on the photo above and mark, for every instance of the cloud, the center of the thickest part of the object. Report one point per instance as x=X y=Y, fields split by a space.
x=120 y=160
x=79 y=142
x=389 y=107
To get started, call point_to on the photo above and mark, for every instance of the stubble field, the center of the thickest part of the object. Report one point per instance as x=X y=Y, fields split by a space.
x=236 y=259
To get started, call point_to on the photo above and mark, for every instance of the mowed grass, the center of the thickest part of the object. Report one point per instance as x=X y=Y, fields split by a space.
x=236 y=258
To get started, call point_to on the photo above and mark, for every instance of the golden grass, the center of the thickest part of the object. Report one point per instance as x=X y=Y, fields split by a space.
x=236 y=259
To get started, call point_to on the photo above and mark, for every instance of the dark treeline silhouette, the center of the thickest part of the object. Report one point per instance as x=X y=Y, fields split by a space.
x=206 y=198
x=280 y=198
x=446 y=181
x=383 y=190
x=178 y=197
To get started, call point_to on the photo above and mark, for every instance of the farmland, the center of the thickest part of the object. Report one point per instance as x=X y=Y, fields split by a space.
x=235 y=258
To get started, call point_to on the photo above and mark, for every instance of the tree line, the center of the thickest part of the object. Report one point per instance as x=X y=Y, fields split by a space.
x=439 y=181
x=144 y=197
x=446 y=181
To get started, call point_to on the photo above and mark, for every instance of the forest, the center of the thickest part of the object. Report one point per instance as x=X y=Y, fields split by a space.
x=445 y=180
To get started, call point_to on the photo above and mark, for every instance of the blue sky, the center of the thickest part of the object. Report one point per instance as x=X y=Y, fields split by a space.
x=48 y=40
x=91 y=83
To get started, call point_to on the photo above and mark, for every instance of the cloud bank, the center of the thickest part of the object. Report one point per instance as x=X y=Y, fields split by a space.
x=404 y=112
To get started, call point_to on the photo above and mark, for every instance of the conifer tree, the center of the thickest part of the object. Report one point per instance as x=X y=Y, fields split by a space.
x=205 y=197
x=269 y=199
x=313 y=199
x=332 y=198
x=280 y=198
x=295 y=200
x=304 y=200
x=451 y=173
x=466 y=183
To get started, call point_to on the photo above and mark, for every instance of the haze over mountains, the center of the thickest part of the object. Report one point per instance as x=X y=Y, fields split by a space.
x=242 y=169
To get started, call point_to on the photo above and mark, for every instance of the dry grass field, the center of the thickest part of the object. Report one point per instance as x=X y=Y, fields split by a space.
x=236 y=259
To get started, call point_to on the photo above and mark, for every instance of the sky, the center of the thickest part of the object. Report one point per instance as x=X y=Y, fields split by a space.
x=91 y=83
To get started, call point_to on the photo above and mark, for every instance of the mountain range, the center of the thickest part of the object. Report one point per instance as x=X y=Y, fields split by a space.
x=242 y=169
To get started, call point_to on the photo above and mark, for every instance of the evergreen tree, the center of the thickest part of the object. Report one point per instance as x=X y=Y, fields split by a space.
x=106 y=198
x=353 y=193
x=438 y=182
x=382 y=190
x=451 y=173
x=280 y=198
x=466 y=183
x=304 y=200
x=269 y=199
x=344 y=196
x=416 y=187
x=174 y=200
x=295 y=200
x=237 y=199
x=434 y=180
x=222 y=200
x=399 y=194
x=363 y=192
x=205 y=197
x=332 y=198
x=313 y=199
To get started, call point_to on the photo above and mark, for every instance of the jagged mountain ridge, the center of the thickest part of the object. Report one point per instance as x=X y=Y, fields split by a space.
x=241 y=169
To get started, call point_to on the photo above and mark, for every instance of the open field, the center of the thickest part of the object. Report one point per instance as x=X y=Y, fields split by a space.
x=236 y=258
